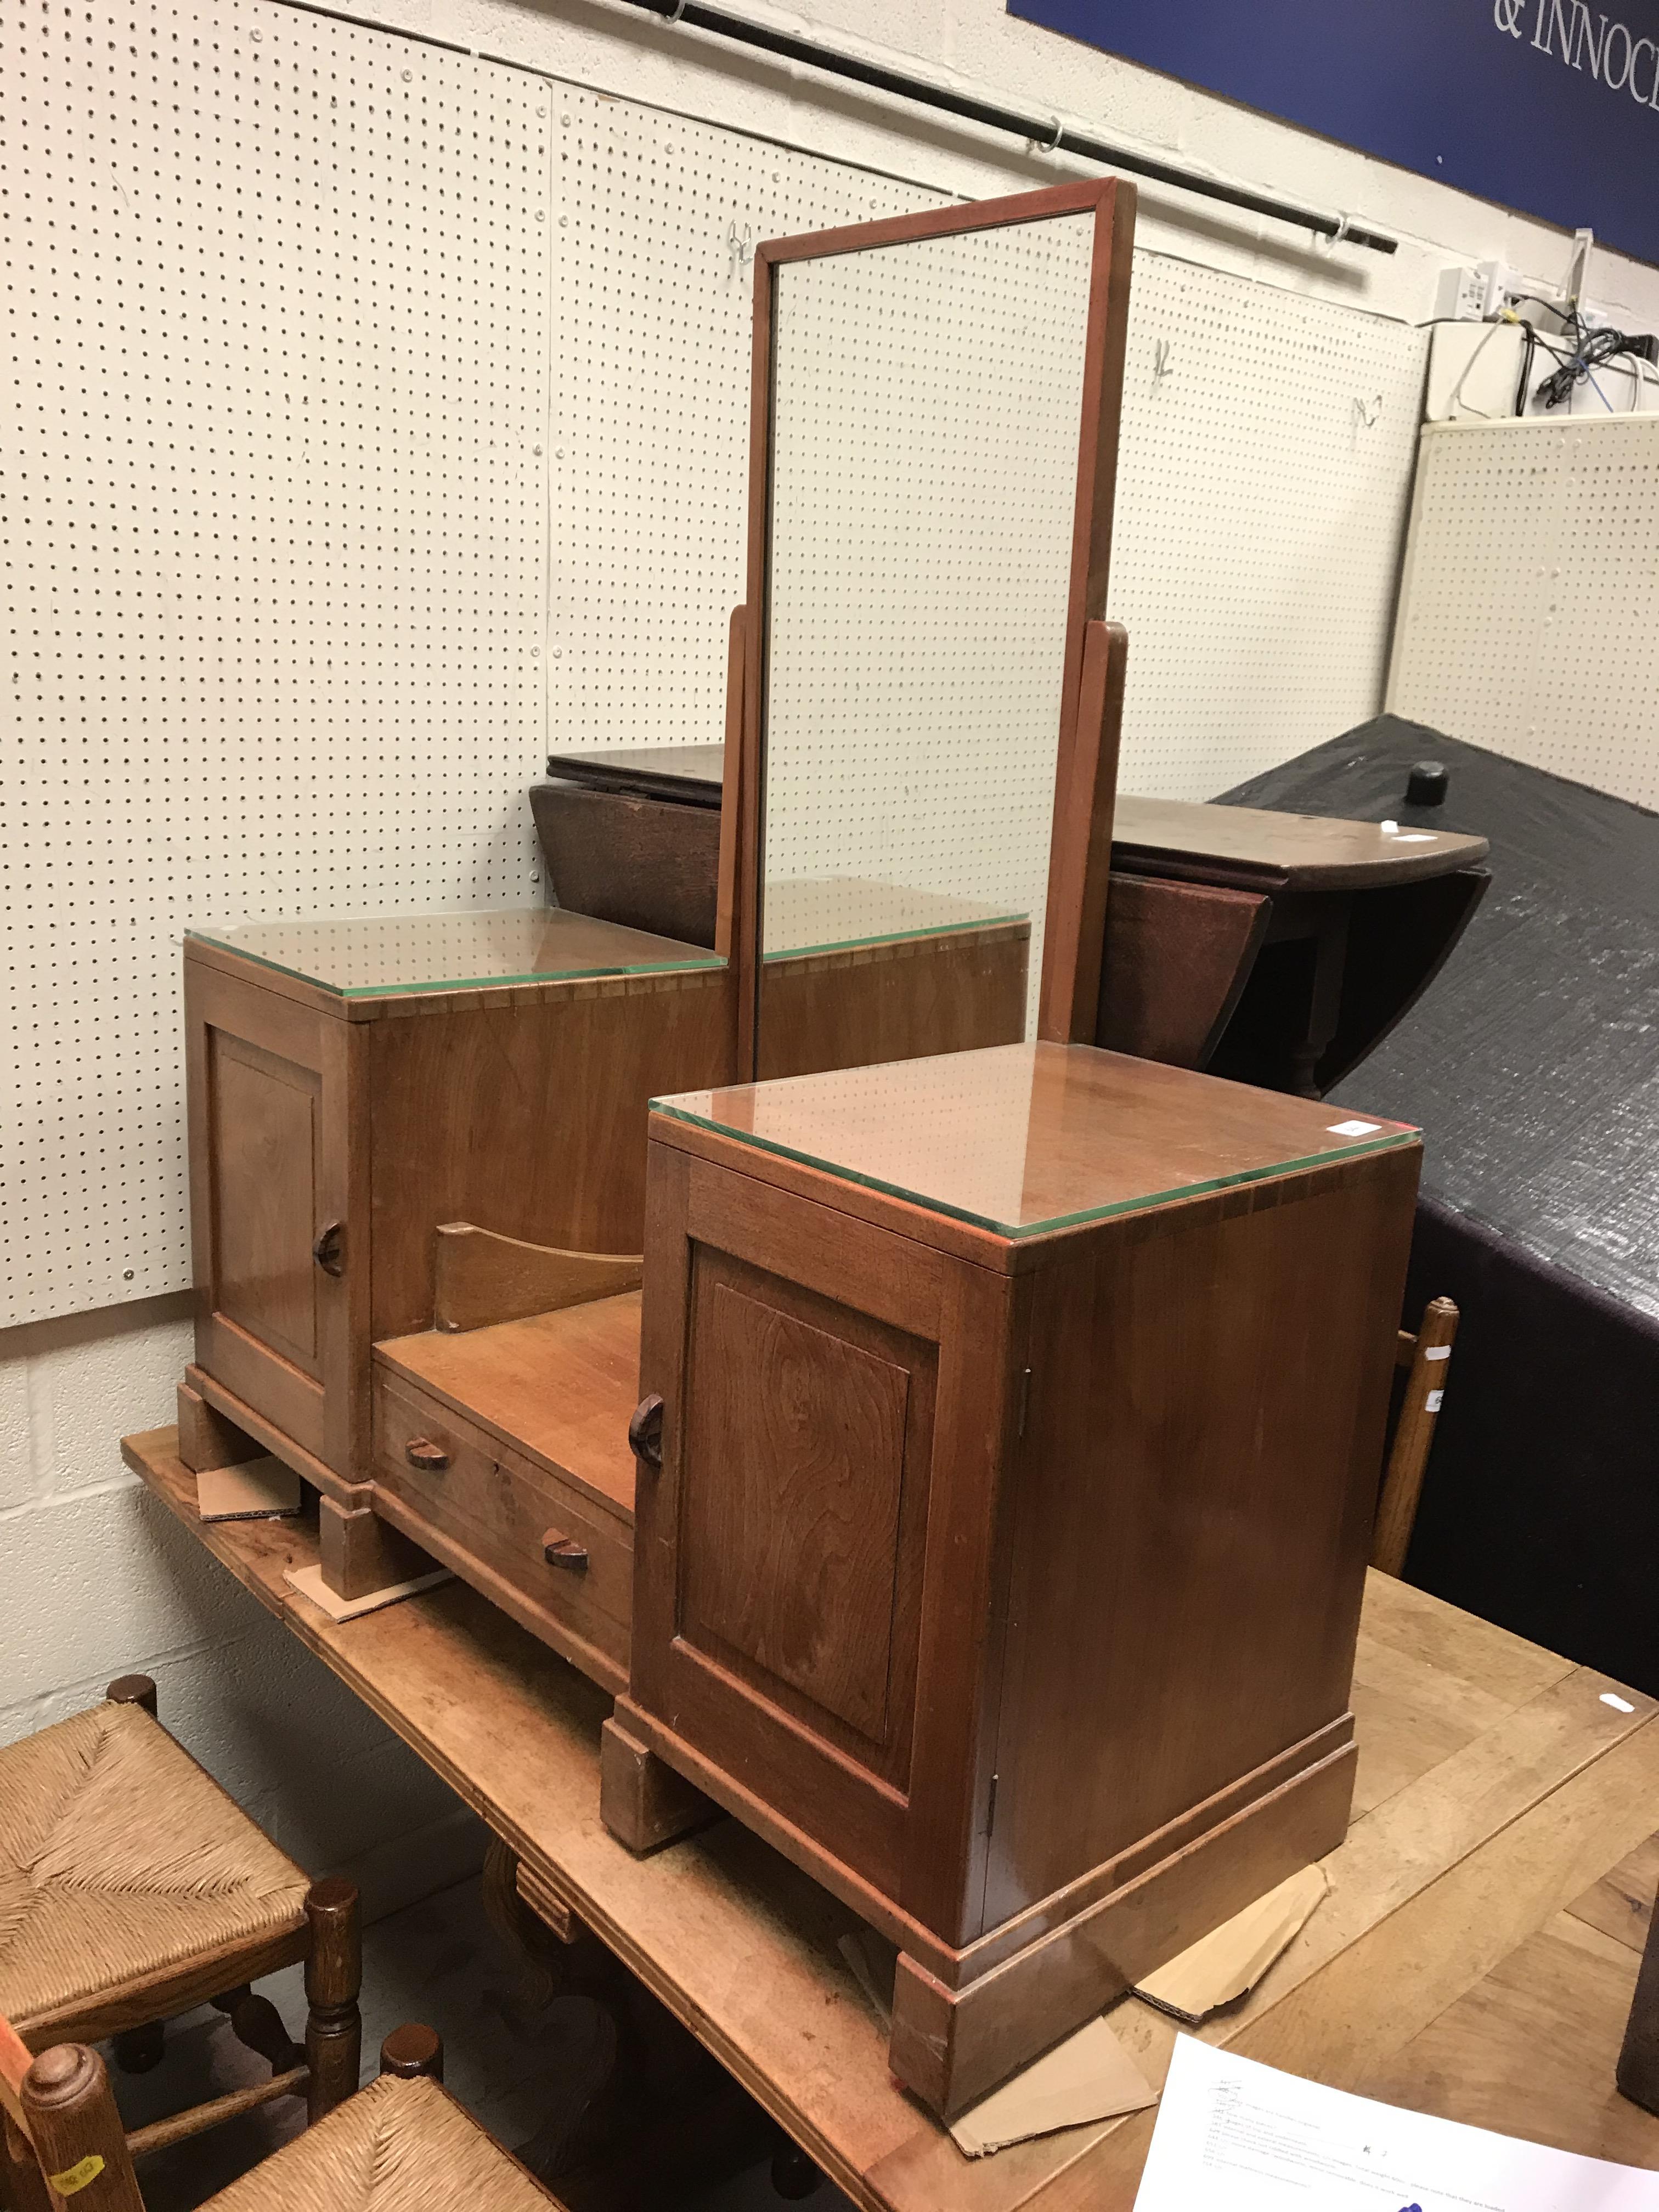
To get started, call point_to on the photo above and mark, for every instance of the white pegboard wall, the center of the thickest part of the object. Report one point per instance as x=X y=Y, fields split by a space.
x=1263 y=482
x=927 y=399
x=1265 y=470
x=1527 y=609
x=275 y=529
x=292 y=599
x=656 y=219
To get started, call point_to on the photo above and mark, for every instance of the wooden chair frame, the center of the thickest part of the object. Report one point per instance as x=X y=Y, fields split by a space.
x=1092 y=682
x=61 y=2121
x=1427 y=1358
x=324 y=2070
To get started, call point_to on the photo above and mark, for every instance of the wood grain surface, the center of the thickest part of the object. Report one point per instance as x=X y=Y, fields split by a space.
x=1494 y=1790
x=1144 y=1518
x=520 y=1111
x=480 y=1278
x=500 y=1379
x=1297 y=852
x=789 y=1538
x=1208 y=1398
x=904 y=999
x=1176 y=957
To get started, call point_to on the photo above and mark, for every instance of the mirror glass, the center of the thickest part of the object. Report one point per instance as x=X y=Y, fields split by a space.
x=926 y=410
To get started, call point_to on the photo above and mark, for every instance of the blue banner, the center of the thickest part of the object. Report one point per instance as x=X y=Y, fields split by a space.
x=1550 y=106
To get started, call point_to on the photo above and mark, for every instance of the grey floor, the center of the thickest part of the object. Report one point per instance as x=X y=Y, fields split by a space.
x=520 y=2067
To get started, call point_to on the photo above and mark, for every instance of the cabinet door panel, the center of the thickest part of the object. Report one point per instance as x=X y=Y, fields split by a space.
x=269 y=1172
x=781 y=1550
x=808 y=1435
x=264 y=1194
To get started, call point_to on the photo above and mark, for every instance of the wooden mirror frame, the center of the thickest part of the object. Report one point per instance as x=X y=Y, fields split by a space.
x=1092 y=693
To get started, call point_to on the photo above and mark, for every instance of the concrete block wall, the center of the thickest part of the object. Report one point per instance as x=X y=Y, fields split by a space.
x=97 y=1579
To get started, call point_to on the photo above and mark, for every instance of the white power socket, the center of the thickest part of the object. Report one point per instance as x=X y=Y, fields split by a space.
x=1474 y=295
x=1461 y=297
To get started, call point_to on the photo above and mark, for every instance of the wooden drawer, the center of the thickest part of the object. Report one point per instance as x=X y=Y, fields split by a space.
x=490 y=1514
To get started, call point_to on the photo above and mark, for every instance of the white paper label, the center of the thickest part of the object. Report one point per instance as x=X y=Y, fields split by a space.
x=1354 y=1128
x=1438 y=1352
x=1618 y=1704
x=1432 y=1401
x=1234 y=2135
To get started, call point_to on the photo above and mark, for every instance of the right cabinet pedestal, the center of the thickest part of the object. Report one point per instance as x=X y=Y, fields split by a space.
x=1000 y=1557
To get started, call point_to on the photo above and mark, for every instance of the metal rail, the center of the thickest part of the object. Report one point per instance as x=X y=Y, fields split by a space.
x=1045 y=131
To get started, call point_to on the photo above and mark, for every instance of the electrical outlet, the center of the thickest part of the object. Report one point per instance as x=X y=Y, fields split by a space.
x=1461 y=297
x=1500 y=284
x=1474 y=295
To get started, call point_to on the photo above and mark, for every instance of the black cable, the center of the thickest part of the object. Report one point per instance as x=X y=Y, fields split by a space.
x=1594 y=351
x=1551 y=306
x=1526 y=362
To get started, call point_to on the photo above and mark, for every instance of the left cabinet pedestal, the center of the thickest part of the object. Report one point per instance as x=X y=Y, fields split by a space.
x=353 y=1086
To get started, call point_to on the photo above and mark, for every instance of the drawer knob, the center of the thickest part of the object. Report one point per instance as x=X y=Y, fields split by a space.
x=564 y=1552
x=430 y=1458
x=645 y=1431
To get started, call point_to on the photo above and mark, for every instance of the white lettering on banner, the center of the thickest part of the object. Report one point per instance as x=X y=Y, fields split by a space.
x=1568 y=33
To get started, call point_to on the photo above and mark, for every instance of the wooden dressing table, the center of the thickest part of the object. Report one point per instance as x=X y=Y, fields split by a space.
x=881 y=1633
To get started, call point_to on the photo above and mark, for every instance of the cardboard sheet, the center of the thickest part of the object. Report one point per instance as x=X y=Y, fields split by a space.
x=1089 y=2076
x=259 y=1490
x=1220 y=1967
x=308 y=1580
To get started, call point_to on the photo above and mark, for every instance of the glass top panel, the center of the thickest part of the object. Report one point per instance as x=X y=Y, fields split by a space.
x=1027 y=1138
x=383 y=954
x=840 y=912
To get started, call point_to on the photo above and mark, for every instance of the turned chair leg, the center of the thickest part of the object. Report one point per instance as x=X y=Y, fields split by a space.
x=255 y=2023
x=133 y=1690
x=69 y=2111
x=413 y=2053
x=334 y=1976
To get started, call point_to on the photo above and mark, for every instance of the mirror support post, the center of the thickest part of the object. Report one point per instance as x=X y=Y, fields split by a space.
x=735 y=936
x=1080 y=856
x=726 y=916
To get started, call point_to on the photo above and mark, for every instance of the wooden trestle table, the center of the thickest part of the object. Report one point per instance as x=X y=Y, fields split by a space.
x=1475 y=1956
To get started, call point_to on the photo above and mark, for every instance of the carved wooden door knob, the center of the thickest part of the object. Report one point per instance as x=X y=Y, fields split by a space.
x=645 y=1431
